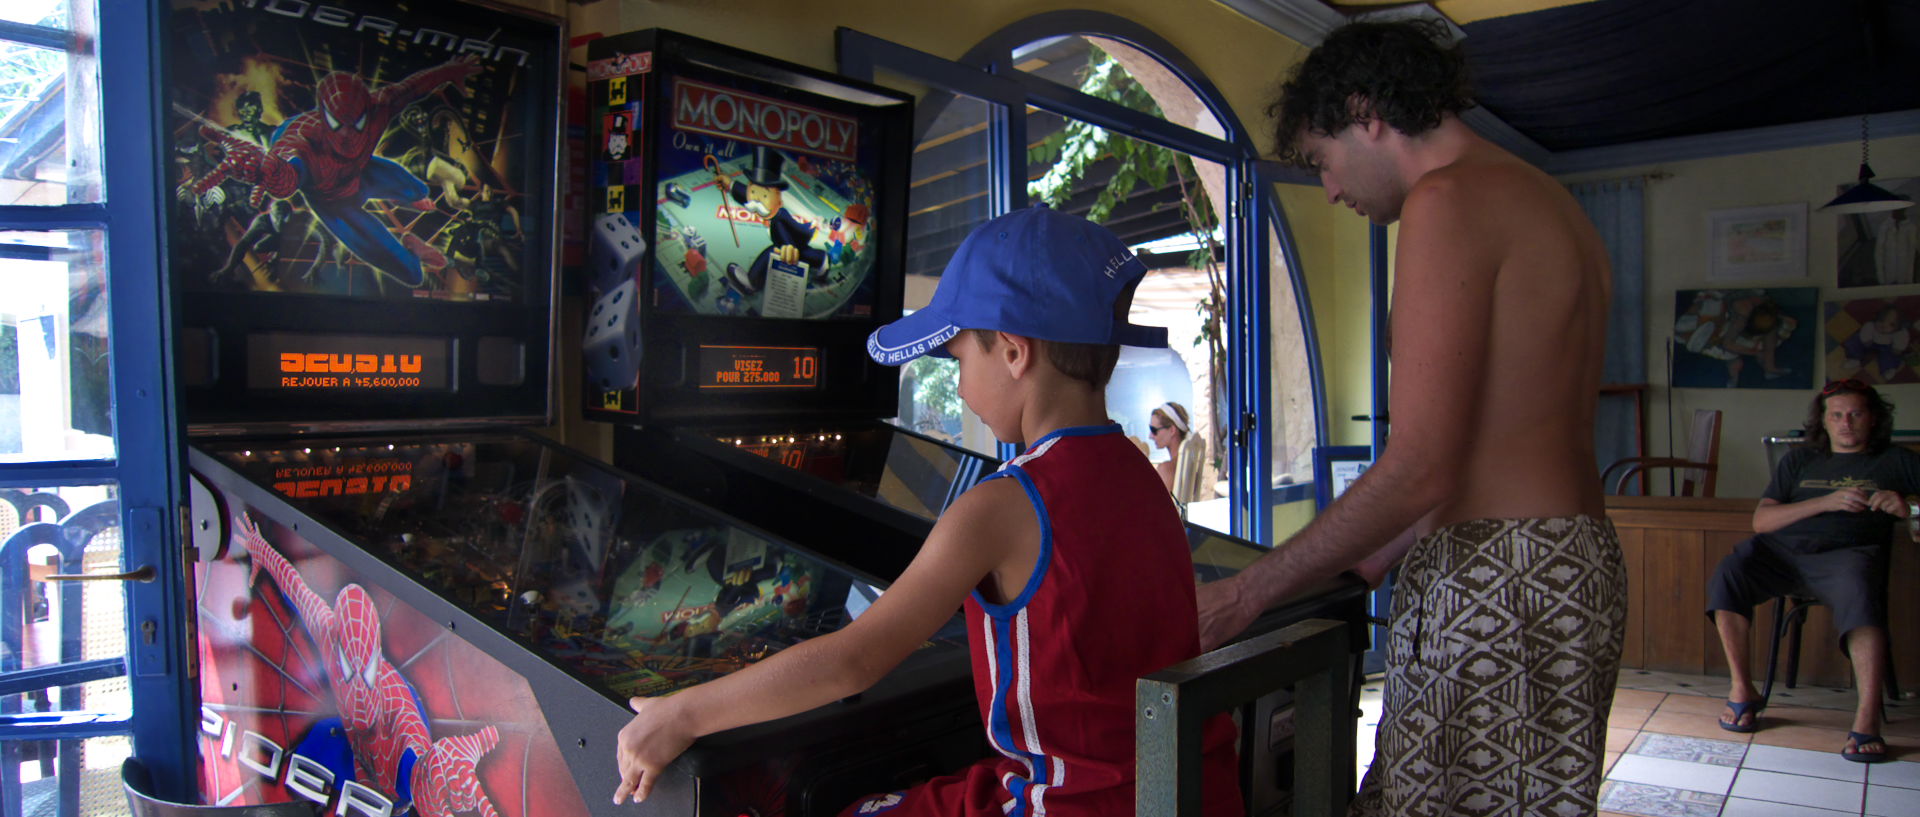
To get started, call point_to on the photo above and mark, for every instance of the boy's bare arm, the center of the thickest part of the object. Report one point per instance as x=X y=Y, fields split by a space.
x=972 y=540
x=1442 y=308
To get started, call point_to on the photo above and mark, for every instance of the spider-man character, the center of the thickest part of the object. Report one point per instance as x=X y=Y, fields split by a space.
x=326 y=154
x=386 y=731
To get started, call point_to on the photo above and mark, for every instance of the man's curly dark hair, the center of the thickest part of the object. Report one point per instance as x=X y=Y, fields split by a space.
x=1878 y=409
x=1404 y=72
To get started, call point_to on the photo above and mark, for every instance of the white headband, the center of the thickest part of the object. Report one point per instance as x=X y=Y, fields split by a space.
x=1173 y=416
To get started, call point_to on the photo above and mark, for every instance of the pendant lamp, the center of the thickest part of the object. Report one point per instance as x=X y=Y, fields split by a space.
x=1866 y=197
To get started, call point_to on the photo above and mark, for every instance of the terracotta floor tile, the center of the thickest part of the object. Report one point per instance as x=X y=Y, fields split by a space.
x=1620 y=740
x=1907 y=726
x=1606 y=762
x=1803 y=716
x=1694 y=726
x=1637 y=699
x=1812 y=738
x=1693 y=705
x=1620 y=718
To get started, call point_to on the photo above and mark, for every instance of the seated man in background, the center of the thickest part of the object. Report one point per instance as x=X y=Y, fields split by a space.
x=1824 y=527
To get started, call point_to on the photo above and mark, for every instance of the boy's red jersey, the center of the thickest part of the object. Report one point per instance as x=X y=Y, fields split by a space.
x=1111 y=600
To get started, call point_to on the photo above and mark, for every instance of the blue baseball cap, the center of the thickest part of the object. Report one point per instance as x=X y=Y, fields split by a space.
x=1034 y=272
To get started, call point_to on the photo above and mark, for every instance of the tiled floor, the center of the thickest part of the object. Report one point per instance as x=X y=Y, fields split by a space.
x=1667 y=756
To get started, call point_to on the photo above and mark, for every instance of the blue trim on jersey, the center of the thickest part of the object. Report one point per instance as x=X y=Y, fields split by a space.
x=1074 y=431
x=1012 y=608
x=999 y=716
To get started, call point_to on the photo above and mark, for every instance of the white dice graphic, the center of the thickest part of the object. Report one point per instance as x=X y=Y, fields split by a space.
x=617 y=249
x=612 y=343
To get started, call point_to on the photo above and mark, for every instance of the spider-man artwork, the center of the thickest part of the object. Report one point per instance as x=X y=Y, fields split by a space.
x=338 y=149
x=346 y=683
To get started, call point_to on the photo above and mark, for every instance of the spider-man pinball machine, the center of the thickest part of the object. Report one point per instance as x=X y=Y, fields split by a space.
x=405 y=601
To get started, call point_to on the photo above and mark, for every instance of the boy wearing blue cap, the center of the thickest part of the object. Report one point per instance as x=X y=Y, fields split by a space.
x=1070 y=562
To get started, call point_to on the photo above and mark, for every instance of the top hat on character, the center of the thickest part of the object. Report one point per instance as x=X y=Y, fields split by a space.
x=1035 y=272
x=768 y=164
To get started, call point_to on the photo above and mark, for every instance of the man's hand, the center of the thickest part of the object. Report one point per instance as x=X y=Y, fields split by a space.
x=787 y=253
x=1847 y=500
x=647 y=744
x=1888 y=502
x=1224 y=612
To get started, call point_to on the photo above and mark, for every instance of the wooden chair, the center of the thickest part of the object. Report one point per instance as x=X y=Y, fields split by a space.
x=1699 y=471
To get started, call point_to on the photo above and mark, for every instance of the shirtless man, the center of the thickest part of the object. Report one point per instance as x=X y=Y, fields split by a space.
x=1509 y=615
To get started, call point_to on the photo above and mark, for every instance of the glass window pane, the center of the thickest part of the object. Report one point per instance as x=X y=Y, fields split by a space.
x=64 y=530
x=49 y=113
x=100 y=791
x=1116 y=72
x=55 y=396
x=1291 y=414
x=48 y=13
x=947 y=200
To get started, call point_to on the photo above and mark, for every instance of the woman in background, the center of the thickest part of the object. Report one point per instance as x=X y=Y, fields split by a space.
x=1169 y=427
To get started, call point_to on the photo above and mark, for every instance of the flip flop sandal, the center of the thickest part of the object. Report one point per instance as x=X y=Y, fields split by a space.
x=1859 y=739
x=1742 y=709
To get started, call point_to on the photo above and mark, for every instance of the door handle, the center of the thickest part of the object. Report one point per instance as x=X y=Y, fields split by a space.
x=144 y=573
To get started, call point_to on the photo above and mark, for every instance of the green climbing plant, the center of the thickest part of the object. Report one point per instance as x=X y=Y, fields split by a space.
x=1072 y=153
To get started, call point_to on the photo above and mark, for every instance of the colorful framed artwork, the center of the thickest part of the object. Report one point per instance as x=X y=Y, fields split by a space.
x=1757 y=243
x=1872 y=339
x=1744 y=338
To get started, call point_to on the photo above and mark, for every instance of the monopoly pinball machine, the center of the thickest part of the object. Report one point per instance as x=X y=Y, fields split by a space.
x=751 y=236
x=404 y=600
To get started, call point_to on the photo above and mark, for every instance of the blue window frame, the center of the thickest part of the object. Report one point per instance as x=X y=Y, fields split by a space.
x=1251 y=214
x=145 y=463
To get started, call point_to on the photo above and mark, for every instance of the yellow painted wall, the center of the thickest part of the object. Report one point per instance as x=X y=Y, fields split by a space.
x=1677 y=210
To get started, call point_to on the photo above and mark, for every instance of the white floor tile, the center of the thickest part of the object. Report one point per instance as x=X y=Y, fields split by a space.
x=1902 y=773
x=1799 y=790
x=1742 y=807
x=1804 y=762
x=1675 y=774
x=1887 y=801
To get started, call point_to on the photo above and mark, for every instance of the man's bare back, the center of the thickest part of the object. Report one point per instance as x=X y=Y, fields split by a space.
x=1530 y=448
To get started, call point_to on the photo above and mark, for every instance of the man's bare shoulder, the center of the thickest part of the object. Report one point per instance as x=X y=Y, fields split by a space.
x=1476 y=182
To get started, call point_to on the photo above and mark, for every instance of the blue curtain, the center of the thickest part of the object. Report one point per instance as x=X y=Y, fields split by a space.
x=1618 y=209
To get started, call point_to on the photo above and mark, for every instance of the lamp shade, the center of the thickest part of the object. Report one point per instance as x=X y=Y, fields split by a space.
x=1866 y=197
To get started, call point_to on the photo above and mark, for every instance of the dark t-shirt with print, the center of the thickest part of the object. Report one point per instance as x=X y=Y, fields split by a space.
x=1806 y=473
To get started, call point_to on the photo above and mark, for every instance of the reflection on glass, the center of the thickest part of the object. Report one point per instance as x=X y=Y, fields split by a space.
x=56 y=401
x=636 y=591
x=947 y=200
x=49 y=111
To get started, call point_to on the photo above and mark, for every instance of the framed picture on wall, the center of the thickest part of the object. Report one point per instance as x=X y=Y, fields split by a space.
x=1872 y=339
x=1883 y=248
x=1744 y=338
x=1757 y=243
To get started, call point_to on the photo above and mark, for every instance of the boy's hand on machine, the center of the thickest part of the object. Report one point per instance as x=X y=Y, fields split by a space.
x=647 y=744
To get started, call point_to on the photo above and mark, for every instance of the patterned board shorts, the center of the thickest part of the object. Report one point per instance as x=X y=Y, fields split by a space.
x=1502 y=658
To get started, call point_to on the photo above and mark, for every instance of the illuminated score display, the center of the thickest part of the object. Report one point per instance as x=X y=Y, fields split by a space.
x=759 y=367
x=367 y=363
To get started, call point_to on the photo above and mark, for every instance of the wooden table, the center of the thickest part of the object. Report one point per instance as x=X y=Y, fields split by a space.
x=1673 y=544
